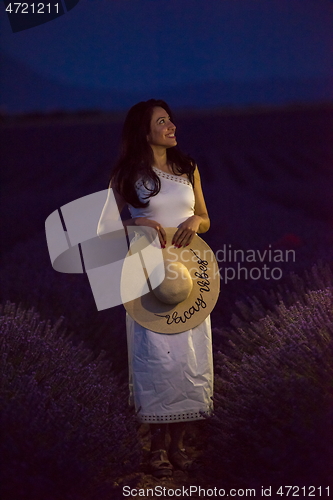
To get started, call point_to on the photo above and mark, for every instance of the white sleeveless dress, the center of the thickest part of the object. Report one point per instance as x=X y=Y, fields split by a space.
x=170 y=376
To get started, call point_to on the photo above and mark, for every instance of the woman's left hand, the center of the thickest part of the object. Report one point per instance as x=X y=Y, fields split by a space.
x=186 y=231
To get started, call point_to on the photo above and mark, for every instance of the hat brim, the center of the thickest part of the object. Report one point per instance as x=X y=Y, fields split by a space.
x=160 y=317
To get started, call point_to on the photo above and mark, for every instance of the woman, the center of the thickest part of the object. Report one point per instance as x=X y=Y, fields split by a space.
x=162 y=188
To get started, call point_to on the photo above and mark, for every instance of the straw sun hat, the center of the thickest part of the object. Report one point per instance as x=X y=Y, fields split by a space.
x=186 y=295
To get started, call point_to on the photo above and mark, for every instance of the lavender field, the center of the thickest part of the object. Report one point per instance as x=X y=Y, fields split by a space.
x=267 y=176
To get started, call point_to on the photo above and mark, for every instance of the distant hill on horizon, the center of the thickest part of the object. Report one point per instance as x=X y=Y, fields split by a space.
x=22 y=90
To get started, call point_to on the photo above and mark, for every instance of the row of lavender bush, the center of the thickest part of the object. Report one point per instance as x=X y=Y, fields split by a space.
x=67 y=432
x=28 y=278
x=273 y=421
x=273 y=397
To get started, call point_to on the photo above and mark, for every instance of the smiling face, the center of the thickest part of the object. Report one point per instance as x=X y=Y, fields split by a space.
x=162 y=130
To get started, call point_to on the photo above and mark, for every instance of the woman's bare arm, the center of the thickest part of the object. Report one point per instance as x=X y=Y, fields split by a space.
x=111 y=213
x=200 y=208
x=197 y=223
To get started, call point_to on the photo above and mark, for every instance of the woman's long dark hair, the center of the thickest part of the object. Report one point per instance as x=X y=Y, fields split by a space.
x=136 y=156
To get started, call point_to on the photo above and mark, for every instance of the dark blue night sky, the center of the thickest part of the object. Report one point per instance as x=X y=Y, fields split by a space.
x=202 y=53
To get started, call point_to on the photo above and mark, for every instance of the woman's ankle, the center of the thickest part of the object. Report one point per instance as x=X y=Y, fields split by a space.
x=158 y=435
x=176 y=436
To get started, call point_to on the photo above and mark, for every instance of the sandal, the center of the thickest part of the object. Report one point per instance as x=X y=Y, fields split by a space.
x=159 y=464
x=180 y=460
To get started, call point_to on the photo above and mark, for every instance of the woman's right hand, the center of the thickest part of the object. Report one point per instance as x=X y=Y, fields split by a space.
x=143 y=221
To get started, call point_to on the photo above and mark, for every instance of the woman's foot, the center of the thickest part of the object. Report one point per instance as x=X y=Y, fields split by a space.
x=159 y=464
x=180 y=460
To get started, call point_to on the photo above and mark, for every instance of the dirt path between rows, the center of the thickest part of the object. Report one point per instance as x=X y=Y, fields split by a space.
x=194 y=442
